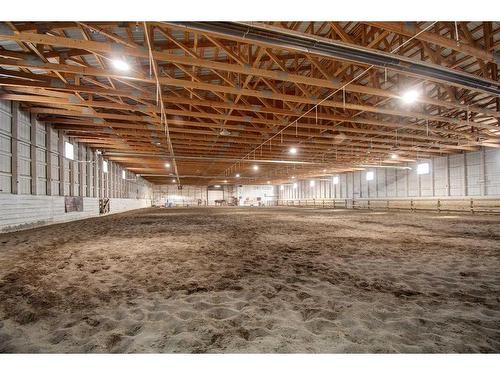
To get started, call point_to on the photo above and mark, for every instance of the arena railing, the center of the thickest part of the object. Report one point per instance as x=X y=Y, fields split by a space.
x=459 y=204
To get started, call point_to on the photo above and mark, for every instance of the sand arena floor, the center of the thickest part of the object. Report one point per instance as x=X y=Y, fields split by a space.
x=253 y=280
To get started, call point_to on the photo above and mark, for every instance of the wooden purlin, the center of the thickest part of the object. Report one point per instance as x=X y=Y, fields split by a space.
x=250 y=91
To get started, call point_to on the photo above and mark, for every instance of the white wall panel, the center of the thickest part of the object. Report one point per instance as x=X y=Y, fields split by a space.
x=471 y=174
x=28 y=211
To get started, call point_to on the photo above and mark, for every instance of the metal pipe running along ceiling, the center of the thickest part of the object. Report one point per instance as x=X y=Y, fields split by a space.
x=201 y=158
x=330 y=48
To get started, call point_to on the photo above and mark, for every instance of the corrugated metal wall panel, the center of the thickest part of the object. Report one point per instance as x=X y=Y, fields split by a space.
x=457 y=173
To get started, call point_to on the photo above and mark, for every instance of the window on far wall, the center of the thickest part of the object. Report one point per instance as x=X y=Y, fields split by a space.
x=423 y=168
x=69 y=151
x=124 y=174
x=370 y=175
x=336 y=180
x=105 y=166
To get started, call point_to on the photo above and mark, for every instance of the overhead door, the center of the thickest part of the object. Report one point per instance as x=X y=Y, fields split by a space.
x=214 y=195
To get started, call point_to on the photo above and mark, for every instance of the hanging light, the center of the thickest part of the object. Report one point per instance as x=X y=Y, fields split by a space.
x=121 y=65
x=292 y=150
x=255 y=167
x=237 y=175
x=167 y=165
x=410 y=96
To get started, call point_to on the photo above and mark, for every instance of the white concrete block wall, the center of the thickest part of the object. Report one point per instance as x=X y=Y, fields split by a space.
x=471 y=174
x=29 y=211
x=189 y=194
x=248 y=194
x=35 y=176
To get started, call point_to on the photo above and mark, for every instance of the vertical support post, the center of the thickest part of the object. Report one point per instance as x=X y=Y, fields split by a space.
x=433 y=181
x=465 y=189
x=62 y=168
x=448 y=187
x=15 y=148
x=49 y=157
x=82 y=158
x=482 y=172
x=33 y=152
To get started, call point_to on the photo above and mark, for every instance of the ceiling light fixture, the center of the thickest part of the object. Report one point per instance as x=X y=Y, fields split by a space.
x=394 y=156
x=292 y=150
x=255 y=167
x=410 y=96
x=237 y=175
x=173 y=180
x=121 y=65
x=167 y=165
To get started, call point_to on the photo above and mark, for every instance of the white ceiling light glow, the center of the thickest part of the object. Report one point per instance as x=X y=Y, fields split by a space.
x=394 y=156
x=167 y=165
x=237 y=175
x=121 y=65
x=410 y=96
x=292 y=150
x=255 y=167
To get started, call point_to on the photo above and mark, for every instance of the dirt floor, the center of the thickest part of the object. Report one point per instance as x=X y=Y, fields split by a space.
x=253 y=280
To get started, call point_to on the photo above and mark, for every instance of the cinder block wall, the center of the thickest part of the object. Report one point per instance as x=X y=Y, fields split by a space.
x=35 y=176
